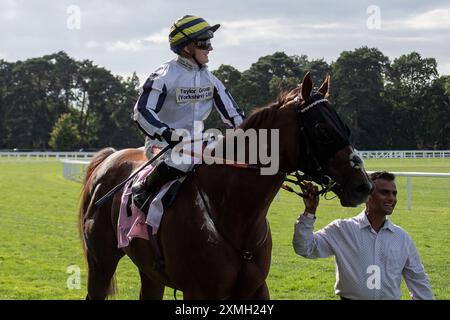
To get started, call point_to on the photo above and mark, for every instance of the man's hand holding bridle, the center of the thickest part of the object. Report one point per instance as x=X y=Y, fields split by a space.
x=312 y=199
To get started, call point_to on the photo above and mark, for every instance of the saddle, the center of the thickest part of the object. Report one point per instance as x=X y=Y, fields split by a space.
x=133 y=220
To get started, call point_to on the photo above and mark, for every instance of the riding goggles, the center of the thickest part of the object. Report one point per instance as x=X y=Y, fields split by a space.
x=203 y=44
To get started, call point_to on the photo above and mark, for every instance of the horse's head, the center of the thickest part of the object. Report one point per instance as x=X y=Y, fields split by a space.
x=324 y=151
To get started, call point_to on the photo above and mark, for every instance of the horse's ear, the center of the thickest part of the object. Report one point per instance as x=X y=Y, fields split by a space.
x=306 y=86
x=325 y=87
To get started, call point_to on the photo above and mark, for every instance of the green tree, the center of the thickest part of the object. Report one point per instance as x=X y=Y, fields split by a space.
x=357 y=89
x=318 y=68
x=278 y=85
x=105 y=104
x=398 y=105
x=36 y=93
x=6 y=76
x=446 y=84
x=265 y=80
x=409 y=81
x=126 y=133
x=230 y=77
x=254 y=88
x=64 y=135
x=434 y=122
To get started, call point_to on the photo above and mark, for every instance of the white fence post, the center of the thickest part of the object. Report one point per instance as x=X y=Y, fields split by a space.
x=408 y=190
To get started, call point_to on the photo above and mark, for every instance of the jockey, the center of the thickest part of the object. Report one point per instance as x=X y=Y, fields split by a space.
x=179 y=93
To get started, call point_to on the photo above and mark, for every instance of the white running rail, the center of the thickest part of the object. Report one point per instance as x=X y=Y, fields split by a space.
x=377 y=154
x=74 y=170
x=404 y=154
x=45 y=155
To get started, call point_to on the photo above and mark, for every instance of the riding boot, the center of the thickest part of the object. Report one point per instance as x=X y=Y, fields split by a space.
x=153 y=182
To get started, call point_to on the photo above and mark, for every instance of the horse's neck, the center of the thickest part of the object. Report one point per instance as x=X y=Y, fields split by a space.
x=238 y=199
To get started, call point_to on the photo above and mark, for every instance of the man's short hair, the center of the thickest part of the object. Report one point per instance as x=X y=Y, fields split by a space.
x=382 y=175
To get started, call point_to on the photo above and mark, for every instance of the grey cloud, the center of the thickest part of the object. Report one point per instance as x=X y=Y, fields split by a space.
x=33 y=28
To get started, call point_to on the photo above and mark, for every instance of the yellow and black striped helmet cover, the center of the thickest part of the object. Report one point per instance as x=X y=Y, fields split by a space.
x=192 y=26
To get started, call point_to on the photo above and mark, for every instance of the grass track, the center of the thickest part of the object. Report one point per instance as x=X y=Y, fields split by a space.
x=39 y=234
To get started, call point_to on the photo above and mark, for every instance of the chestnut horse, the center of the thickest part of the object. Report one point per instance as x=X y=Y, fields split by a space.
x=214 y=238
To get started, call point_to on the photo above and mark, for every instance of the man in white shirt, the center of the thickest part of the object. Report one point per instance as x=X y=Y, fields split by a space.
x=372 y=254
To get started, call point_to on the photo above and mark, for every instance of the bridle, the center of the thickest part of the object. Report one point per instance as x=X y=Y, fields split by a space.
x=310 y=164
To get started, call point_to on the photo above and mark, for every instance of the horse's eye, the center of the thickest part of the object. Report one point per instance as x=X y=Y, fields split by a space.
x=323 y=133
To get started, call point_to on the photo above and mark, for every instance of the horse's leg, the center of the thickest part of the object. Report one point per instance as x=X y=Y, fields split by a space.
x=262 y=293
x=150 y=290
x=101 y=252
x=101 y=282
x=99 y=225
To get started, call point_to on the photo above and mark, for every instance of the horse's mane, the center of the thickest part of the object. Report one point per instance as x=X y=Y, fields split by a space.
x=262 y=115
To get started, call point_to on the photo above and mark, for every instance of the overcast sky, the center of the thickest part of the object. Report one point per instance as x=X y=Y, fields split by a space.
x=127 y=36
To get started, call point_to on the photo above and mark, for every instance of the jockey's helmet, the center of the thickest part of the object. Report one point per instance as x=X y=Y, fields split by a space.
x=189 y=29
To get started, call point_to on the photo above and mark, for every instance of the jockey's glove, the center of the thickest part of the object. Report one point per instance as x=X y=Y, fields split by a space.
x=171 y=137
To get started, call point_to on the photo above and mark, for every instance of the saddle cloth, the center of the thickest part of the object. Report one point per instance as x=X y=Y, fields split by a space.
x=132 y=221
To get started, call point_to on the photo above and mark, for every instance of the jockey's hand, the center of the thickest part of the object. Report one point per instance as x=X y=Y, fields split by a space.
x=171 y=137
x=312 y=199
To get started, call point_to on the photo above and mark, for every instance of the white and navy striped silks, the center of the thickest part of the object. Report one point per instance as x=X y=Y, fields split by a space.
x=178 y=94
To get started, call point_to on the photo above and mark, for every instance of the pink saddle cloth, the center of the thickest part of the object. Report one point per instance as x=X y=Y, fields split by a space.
x=135 y=226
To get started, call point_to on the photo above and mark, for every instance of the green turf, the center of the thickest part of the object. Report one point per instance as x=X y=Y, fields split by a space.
x=39 y=234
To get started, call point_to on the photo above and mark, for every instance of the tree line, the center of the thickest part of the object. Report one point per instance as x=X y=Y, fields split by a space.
x=58 y=102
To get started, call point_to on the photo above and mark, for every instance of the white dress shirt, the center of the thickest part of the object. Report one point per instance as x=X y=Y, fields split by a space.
x=369 y=265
